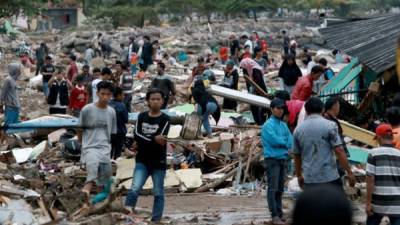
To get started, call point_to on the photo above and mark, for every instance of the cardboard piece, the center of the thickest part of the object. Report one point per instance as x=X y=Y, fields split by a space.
x=125 y=168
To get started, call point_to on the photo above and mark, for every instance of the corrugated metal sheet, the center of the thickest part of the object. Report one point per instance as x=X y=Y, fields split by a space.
x=373 y=41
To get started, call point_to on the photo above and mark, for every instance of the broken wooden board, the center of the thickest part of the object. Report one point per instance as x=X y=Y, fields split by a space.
x=239 y=96
x=171 y=180
x=358 y=134
x=333 y=83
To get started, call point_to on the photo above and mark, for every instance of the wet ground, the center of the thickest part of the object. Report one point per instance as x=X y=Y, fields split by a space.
x=210 y=209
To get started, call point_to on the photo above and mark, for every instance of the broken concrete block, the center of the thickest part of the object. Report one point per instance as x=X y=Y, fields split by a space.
x=191 y=178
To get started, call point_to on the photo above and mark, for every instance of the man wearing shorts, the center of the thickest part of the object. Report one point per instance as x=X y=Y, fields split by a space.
x=98 y=121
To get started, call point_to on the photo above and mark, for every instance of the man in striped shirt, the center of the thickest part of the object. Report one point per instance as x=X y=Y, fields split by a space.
x=383 y=179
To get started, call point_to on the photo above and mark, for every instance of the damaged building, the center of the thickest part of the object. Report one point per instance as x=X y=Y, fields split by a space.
x=370 y=80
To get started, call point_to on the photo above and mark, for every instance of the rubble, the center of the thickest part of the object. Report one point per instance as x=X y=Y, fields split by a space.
x=40 y=165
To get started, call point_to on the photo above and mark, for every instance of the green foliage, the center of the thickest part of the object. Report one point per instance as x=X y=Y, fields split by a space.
x=135 y=12
x=129 y=15
x=14 y=7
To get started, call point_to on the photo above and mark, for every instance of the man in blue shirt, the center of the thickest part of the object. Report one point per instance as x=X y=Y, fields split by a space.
x=277 y=140
x=118 y=139
x=316 y=147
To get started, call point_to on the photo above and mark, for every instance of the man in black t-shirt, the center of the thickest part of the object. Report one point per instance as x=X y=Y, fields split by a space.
x=47 y=72
x=151 y=160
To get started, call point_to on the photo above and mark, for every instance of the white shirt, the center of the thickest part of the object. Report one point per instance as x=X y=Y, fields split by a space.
x=94 y=89
x=249 y=43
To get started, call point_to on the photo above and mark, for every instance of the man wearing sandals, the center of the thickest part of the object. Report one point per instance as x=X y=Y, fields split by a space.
x=99 y=122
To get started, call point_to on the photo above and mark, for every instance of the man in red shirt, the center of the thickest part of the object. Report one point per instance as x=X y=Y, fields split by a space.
x=79 y=97
x=72 y=70
x=303 y=88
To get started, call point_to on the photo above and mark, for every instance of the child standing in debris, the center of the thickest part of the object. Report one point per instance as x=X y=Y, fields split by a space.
x=58 y=99
x=118 y=139
x=150 y=130
x=99 y=121
x=79 y=97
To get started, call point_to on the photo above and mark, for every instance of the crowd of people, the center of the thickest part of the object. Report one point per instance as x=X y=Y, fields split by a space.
x=298 y=126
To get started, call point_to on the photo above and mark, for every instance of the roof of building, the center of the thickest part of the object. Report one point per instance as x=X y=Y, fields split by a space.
x=373 y=41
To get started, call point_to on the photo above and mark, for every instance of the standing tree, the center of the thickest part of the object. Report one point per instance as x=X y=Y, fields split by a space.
x=15 y=7
x=252 y=6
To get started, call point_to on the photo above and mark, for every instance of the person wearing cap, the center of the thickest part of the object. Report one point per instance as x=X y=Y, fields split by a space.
x=316 y=146
x=47 y=72
x=383 y=179
x=105 y=76
x=231 y=80
x=276 y=140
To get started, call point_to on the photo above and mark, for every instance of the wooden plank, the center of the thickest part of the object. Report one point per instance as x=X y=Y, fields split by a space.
x=358 y=134
x=239 y=96
x=258 y=88
x=331 y=85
